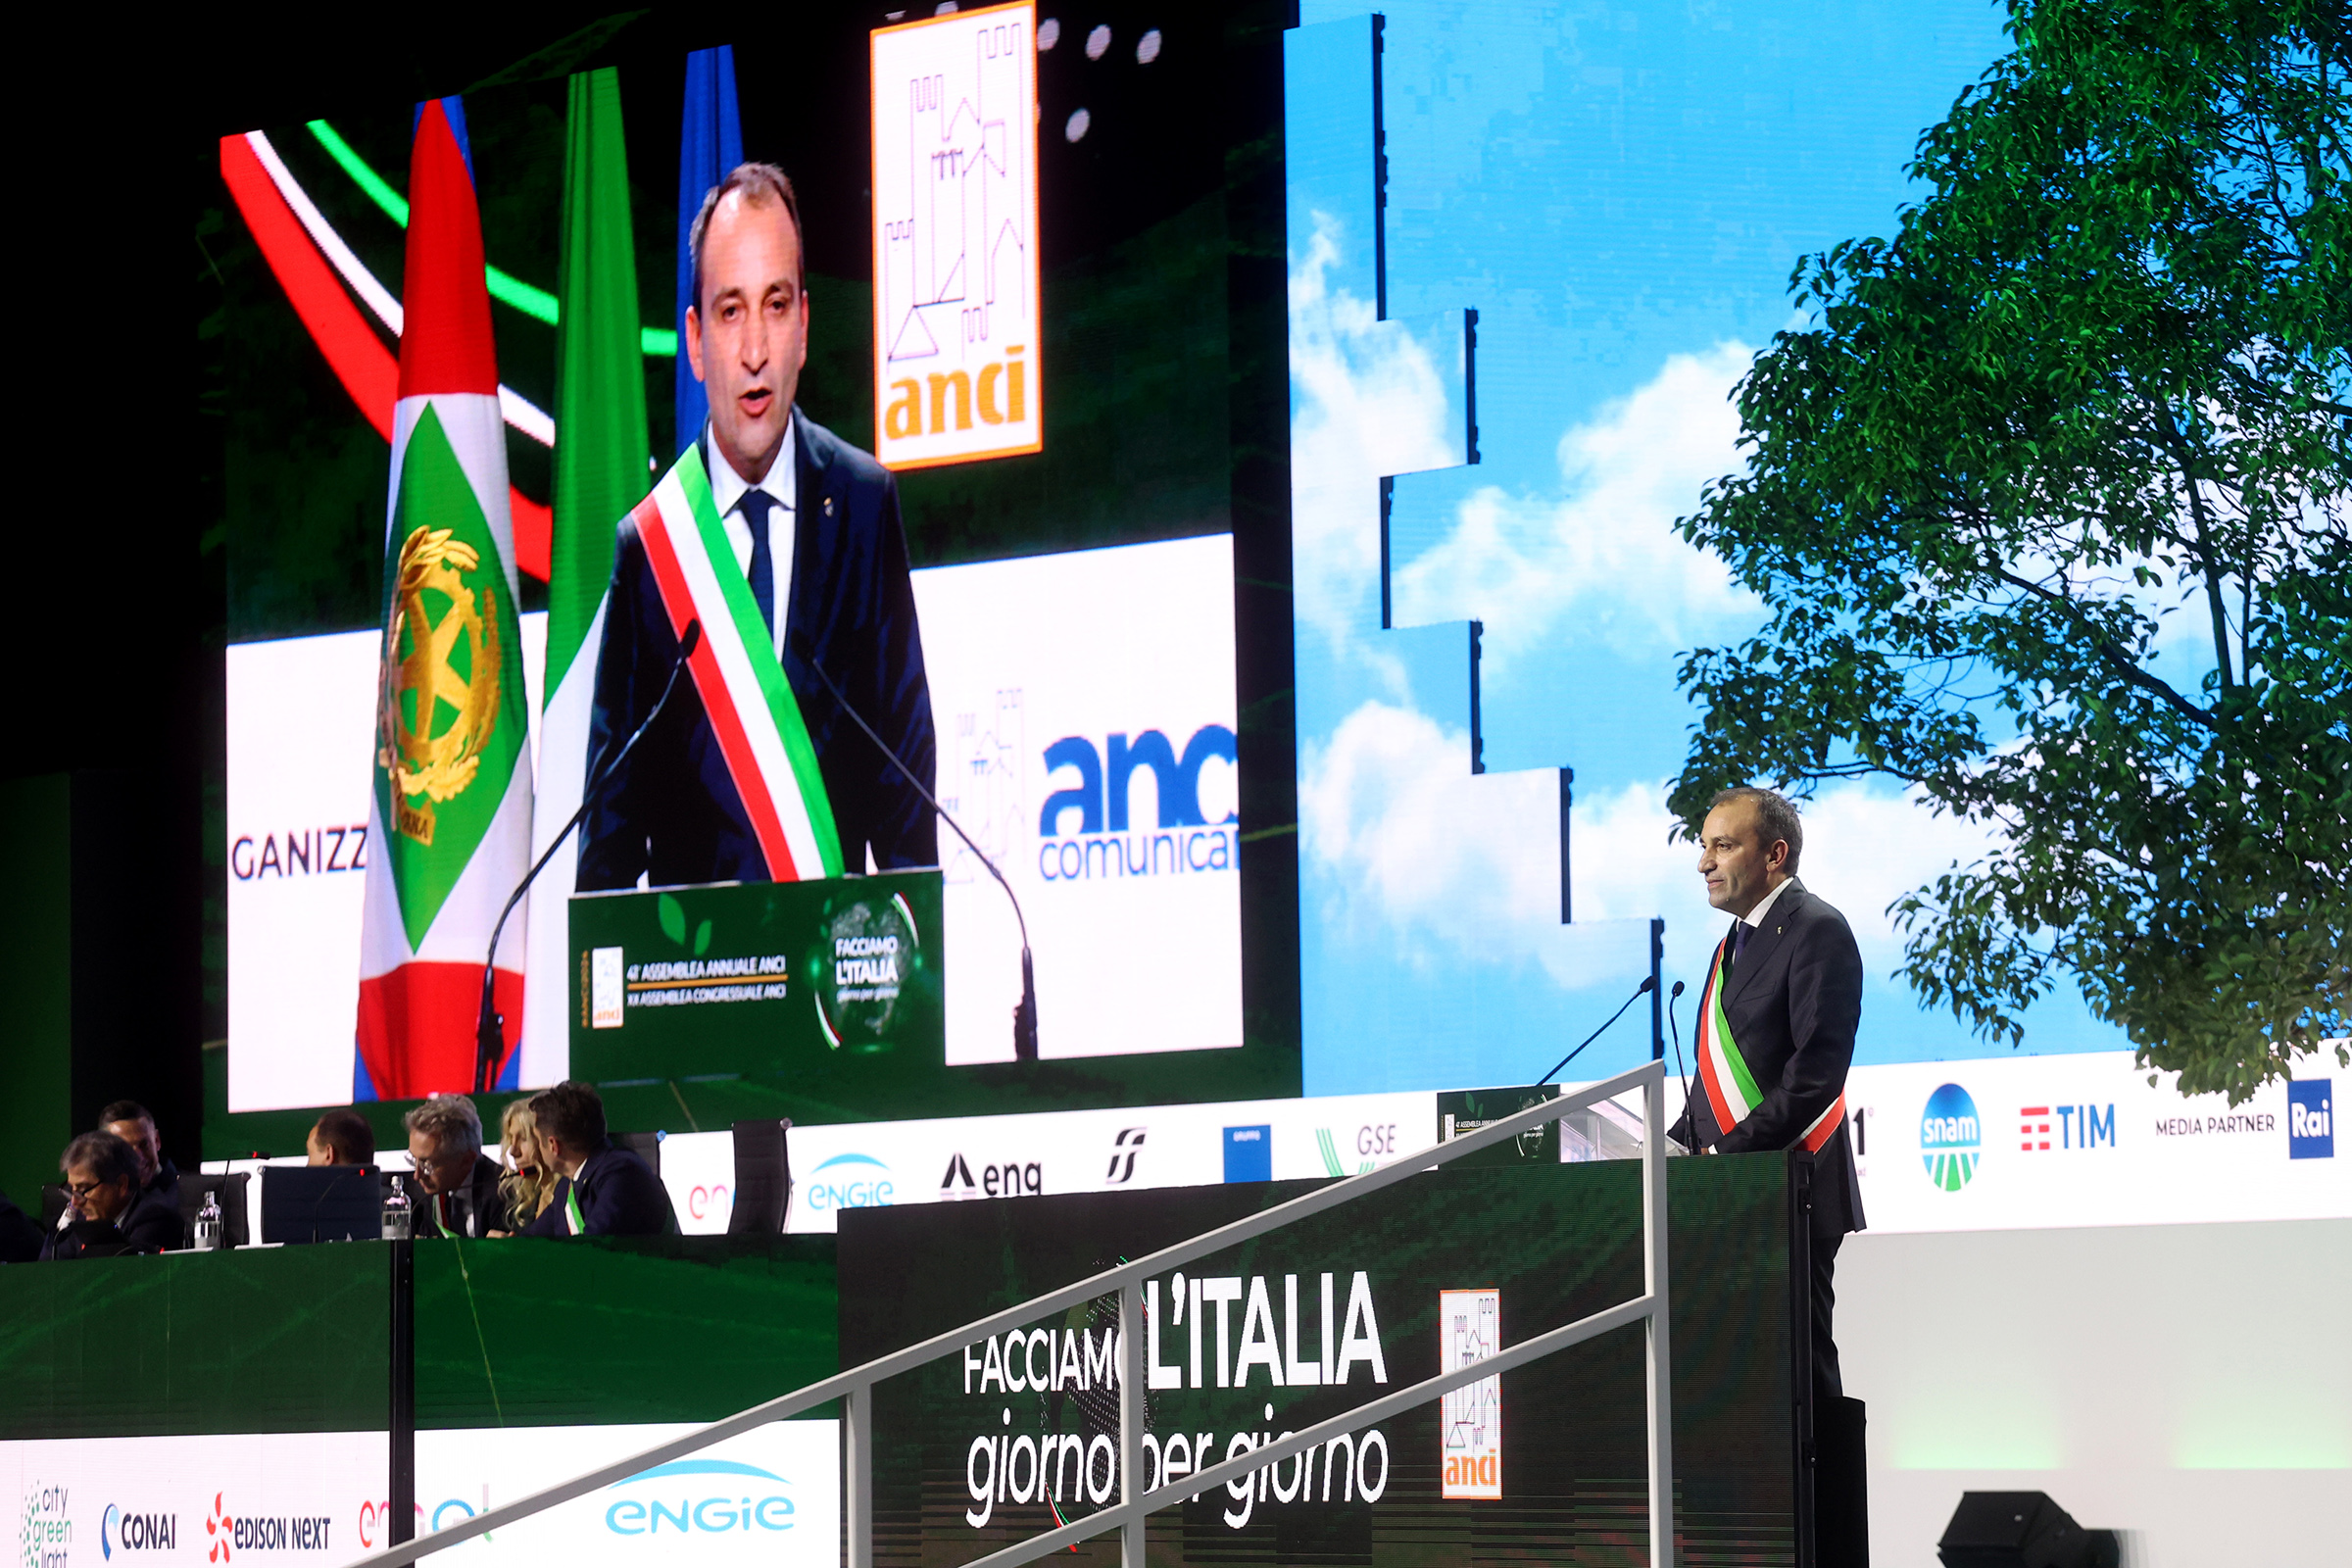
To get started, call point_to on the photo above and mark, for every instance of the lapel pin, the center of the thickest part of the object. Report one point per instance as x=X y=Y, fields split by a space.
x=828 y=506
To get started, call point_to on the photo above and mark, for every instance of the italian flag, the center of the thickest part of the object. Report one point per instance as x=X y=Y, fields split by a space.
x=601 y=472
x=450 y=815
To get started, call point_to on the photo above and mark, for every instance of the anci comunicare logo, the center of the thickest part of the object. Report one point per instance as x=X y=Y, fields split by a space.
x=1950 y=1138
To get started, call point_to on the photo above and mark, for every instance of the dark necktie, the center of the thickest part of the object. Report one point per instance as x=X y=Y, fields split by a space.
x=757 y=505
x=1741 y=932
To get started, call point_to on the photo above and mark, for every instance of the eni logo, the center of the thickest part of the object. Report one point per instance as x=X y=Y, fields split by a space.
x=442 y=659
x=1000 y=395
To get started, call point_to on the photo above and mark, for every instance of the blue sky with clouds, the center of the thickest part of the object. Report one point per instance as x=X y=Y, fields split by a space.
x=1620 y=191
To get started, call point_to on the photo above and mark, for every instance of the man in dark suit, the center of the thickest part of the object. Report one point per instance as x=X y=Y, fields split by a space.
x=605 y=1190
x=108 y=1212
x=131 y=1122
x=455 y=1182
x=1773 y=1062
x=815 y=527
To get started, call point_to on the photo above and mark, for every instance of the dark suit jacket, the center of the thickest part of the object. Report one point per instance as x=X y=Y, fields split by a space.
x=1794 y=1001
x=673 y=811
x=619 y=1196
x=473 y=1210
x=149 y=1225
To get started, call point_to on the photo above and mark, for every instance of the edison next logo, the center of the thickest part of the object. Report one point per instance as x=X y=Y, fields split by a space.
x=2311 y=1119
x=1950 y=1138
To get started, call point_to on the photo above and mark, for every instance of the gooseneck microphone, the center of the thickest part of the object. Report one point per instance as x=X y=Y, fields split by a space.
x=1649 y=984
x=1024 y=1016
x=489 y=1028
x=1673 y=997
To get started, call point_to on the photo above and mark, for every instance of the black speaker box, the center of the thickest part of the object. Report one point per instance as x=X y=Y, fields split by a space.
x=2021 y=1530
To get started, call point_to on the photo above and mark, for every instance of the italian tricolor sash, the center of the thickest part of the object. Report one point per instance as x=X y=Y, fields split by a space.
x=742 y=685
x=1731 y=1091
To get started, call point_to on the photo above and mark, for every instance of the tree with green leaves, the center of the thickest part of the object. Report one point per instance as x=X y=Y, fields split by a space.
x=2051 y=503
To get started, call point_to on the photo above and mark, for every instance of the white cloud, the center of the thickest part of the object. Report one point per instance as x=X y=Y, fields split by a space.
x=1601 y=559
x=1366 y=399
x=1458 y=870
x=1864 y=847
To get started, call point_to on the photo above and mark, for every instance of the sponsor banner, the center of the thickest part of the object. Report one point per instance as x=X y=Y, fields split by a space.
x=884 y=1164
x=1085 y=706
x=769 y=1496
x=699 y=1169
x=2036 y=1142
x=308 y=1497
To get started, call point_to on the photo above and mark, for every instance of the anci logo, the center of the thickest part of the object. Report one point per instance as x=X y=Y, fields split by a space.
x=848 y=1181
x=136 y=1531
x=1096 y=785
x=1950 y=1138
x=2311 y=1119
x=705 y=1497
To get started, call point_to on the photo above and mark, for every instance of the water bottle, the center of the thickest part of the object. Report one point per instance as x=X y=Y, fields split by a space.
x=397 y=1213
x=208 y=1222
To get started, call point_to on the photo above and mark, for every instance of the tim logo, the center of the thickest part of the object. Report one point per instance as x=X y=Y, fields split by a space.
x=1123 y=1150
x=2311 y=1119
x=2077 y=1127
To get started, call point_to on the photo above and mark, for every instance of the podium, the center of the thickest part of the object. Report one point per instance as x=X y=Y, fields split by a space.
x=972 y=1453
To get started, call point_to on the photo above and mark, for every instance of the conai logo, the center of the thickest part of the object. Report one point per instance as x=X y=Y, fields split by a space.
x=743 y=1504
x=136 y=1531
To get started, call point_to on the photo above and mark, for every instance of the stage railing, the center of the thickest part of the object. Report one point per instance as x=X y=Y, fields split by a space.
x=854 y=1388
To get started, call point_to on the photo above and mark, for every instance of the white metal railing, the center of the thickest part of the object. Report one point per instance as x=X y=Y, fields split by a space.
x=854 y=1388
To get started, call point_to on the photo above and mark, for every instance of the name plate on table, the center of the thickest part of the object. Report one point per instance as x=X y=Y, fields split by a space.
x=758 y=977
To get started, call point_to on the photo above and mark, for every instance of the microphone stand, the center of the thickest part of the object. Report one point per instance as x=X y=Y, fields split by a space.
x=1024 y=1016
x=489 y=1027
x=1673 y=997
x=1649 y=984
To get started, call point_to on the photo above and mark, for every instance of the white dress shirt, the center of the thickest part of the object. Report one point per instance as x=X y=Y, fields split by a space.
x=1753 y=917
x=781 y=483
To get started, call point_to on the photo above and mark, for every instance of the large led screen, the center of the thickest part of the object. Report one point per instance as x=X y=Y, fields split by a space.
x=503 y=421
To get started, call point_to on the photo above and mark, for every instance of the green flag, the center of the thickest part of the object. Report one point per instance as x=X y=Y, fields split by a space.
x=601 y=446
x=601 y=472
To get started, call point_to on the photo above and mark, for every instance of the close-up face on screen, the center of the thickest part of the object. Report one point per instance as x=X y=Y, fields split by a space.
x=893 y=370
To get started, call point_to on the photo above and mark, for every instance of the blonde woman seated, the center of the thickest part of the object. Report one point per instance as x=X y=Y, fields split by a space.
x=530 y=1184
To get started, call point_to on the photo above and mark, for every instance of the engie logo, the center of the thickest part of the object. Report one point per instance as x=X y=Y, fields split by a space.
x=698 y=1496
x=136 y=1531
x=856 y=1181
x=2311 y=1119
x=1103 y=847
x=1950 y=1138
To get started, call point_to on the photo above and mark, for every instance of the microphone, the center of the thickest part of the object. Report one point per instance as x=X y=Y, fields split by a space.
x=489 y=1028
x=1649 y=984
x=1024 y=1016
x=1673 y=997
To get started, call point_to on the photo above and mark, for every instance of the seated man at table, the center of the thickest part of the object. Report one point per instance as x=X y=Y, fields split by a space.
x=456 y=1184
x=341 y=1137
x=107 y=1213
x=605 y=1190
x=131 y=1122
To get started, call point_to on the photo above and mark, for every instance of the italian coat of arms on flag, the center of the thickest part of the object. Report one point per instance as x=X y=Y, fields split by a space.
x=450 y=814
